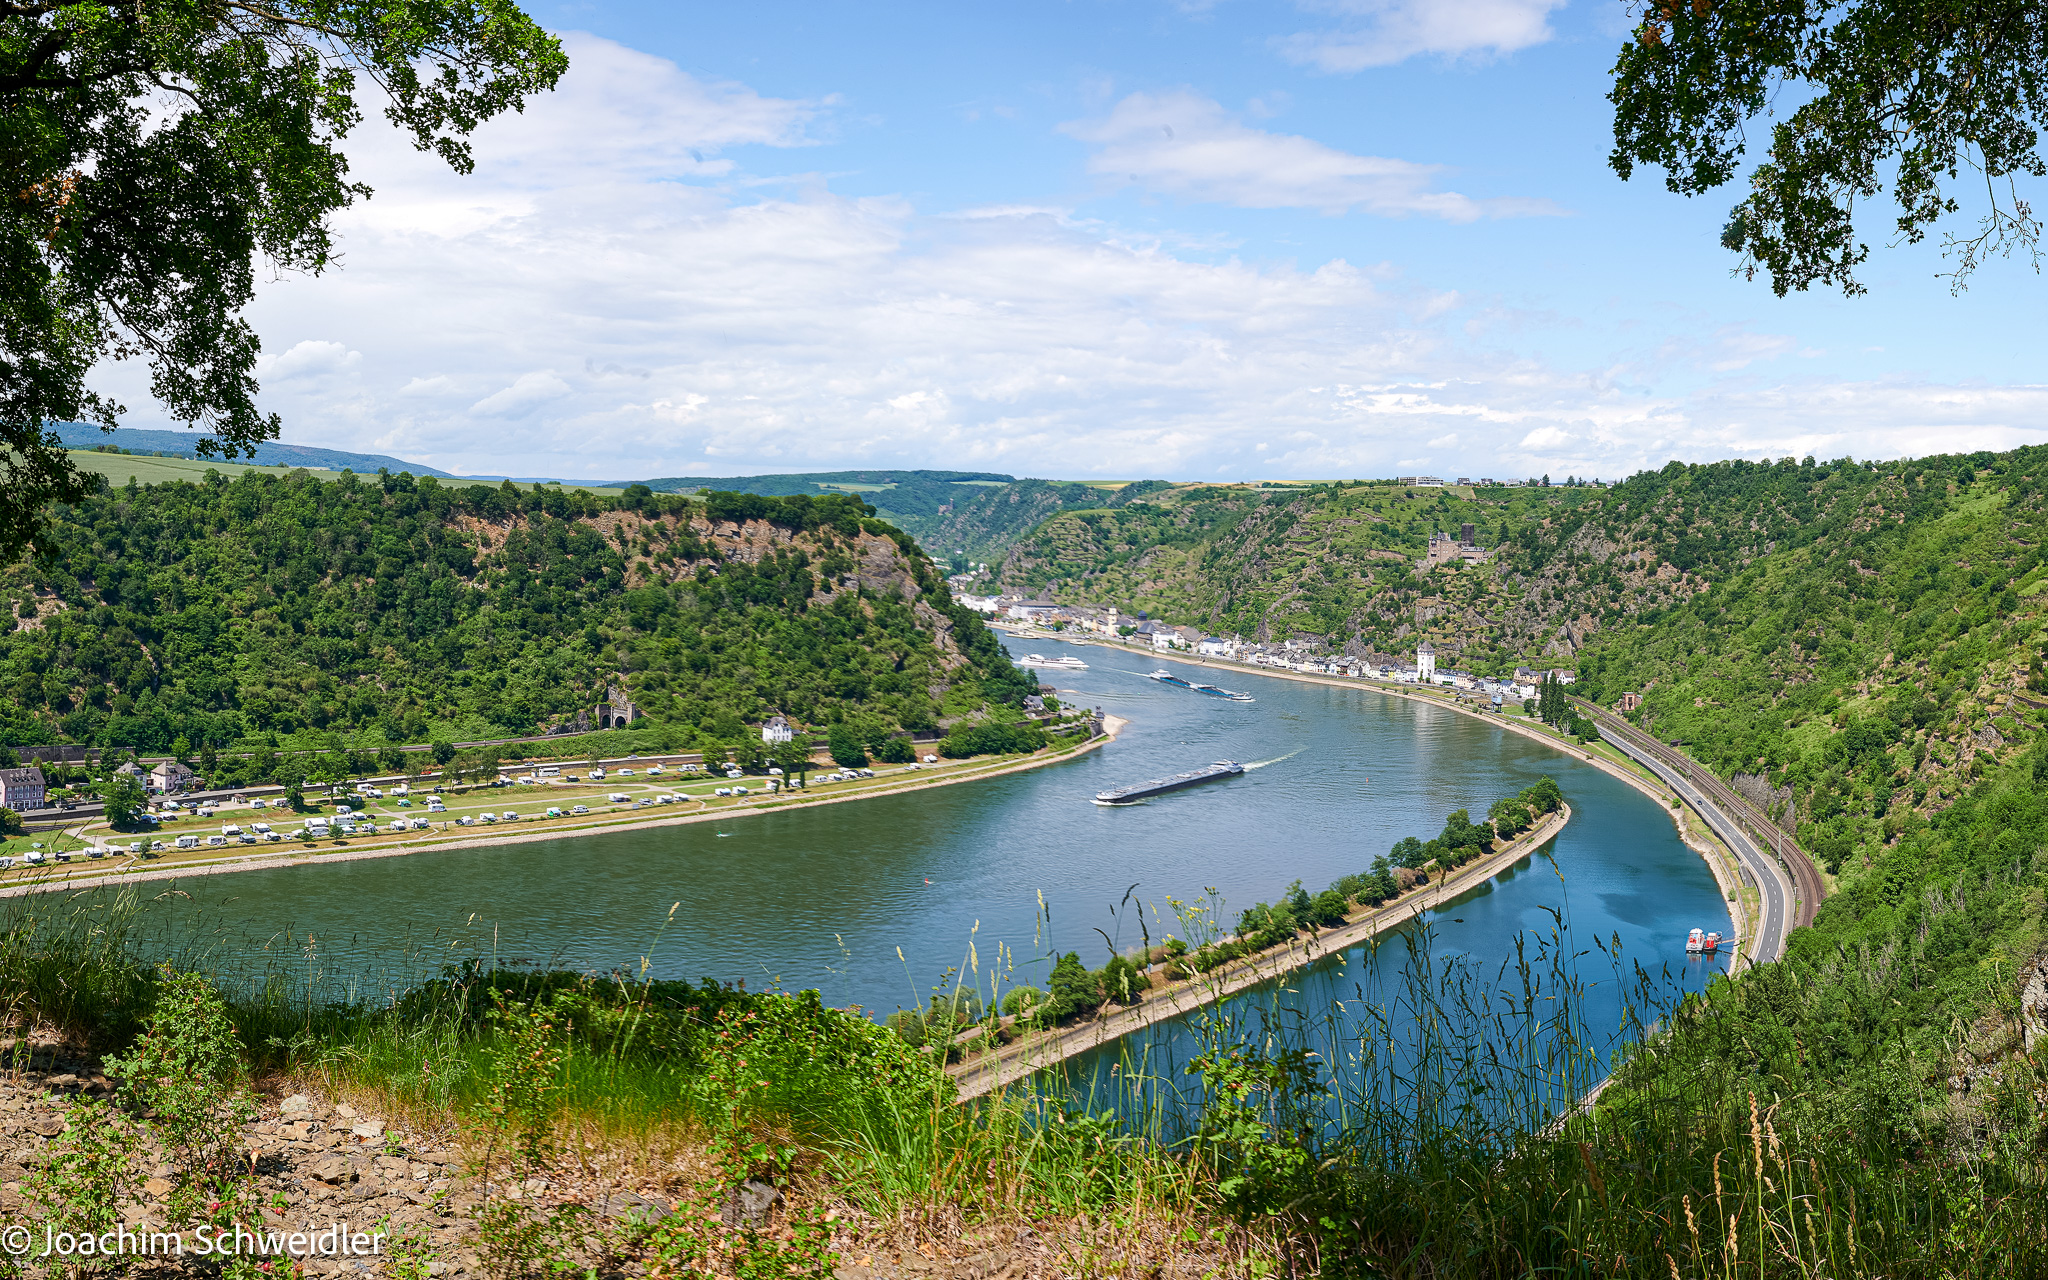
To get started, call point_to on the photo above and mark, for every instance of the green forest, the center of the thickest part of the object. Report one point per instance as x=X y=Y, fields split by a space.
x=266 y=612
x=1865 y=641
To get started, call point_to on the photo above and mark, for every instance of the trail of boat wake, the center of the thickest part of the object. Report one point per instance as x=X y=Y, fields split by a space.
x=1276 y=759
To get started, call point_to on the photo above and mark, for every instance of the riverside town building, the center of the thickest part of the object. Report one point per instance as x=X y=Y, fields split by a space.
x=22 y=789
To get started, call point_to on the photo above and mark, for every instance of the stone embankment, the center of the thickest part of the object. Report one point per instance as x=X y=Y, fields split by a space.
x=990 y=1071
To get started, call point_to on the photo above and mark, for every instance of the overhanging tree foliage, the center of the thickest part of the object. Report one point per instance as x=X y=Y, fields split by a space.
x=1935 y=97
x=150 y=155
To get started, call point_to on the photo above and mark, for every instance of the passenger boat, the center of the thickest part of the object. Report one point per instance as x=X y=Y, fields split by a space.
x=1712 y=943
x=1064 y=663
x=1159 y=786
x=1695 y=942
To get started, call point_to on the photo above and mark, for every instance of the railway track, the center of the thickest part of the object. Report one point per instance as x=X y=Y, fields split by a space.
x=1807 y=887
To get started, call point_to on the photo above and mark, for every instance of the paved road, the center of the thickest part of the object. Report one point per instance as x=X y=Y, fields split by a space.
x=1775 y=919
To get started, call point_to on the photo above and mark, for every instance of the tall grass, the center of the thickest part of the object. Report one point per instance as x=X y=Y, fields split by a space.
x=1414 y=1117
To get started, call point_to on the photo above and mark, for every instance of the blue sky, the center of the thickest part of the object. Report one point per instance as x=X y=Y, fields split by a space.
x=1119 y=239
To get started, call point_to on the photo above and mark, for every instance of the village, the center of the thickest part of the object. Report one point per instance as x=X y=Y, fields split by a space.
x=1296 y=655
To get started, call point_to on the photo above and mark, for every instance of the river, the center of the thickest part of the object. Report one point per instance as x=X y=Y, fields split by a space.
x=874 y=902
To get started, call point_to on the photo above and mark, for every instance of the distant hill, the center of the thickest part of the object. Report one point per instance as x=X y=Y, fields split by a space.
x=974 y=515
x=911 y=493
x=180 y=444
x=914 y=500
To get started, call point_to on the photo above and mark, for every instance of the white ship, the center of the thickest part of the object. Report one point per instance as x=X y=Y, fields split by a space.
x=1042 y=662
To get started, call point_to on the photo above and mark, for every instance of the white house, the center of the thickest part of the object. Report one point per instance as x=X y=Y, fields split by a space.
x=1213 y=647
x=980 y=604
x=1425 y=663
x=171 y=776
x=1565 y=677
x=777 y=731
x=22 y=789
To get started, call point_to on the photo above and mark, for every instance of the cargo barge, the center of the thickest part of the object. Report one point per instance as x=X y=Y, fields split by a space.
x=1167 y=677
x=1160 y=786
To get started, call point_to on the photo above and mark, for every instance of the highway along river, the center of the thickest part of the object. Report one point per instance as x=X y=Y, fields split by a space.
x=873 y=902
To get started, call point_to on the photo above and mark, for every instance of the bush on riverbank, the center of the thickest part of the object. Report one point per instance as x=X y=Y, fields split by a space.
x=1263 y=927
x=991 y=740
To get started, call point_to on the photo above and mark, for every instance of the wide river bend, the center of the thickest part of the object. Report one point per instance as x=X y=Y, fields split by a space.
x=873 y=902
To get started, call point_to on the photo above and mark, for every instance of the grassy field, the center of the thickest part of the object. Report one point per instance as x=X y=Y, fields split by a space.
x=119 y=467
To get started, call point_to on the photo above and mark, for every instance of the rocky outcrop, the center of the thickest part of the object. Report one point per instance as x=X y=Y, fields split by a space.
x=2034 y=1002
x=1781 y=803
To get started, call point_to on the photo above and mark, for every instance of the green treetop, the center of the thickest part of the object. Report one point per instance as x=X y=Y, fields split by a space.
x=150 y=155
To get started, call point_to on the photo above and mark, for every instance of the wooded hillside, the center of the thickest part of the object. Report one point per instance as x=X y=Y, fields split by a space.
x=266 y=610
x=1858 y=646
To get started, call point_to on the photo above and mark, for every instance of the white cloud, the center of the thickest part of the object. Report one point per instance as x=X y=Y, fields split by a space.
x=527 y=392
x=1384 y=32
x=1185 y=145
x=309 y=359
x=604 y=320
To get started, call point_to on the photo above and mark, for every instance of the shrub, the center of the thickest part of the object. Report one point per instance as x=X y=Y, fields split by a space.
x=1075 y=991
x=1027 y=1004
x=1122 y=981
x=848 y=752
x=896 y=751
x=991 y=739
x=1326 y=910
